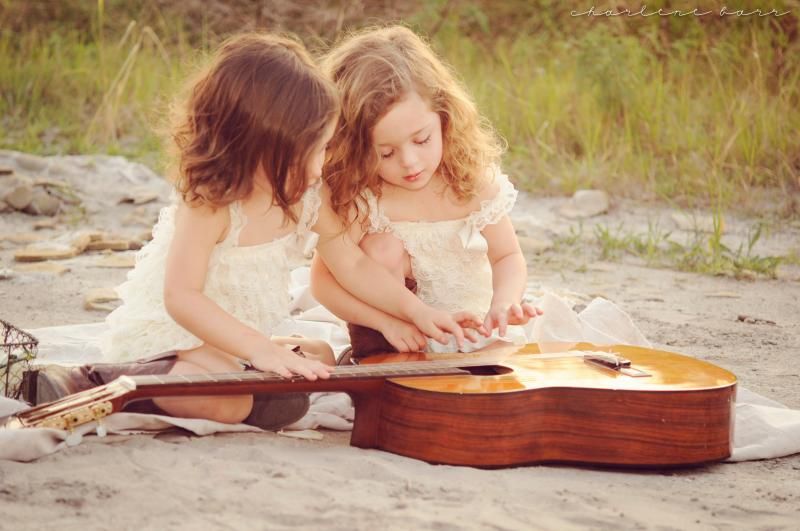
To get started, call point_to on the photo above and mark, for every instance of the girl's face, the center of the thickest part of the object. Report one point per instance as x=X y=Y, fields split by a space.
x=409 y=143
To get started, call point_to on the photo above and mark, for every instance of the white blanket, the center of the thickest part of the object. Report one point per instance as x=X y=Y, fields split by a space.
x=763 y=428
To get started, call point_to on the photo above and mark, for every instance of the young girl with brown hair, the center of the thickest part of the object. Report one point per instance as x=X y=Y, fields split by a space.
x=413 y=170
x=212 y=285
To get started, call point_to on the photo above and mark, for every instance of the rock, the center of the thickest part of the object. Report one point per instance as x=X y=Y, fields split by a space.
x=43 y=204
x=51 y=252
x=695 y=222
x=42 y=267
x=145 y=236
x=585 y=204
x=51 y=223
x=6 y=171
x=135 y=245
x=5 y=207
x=112 y=245
x=529 y=244
x=116 y=260
x=6 y=274
x=19 y=194
x=31 y=163
x=754 y=320
x=139 y=197
x=66 y=246
x=98 y=299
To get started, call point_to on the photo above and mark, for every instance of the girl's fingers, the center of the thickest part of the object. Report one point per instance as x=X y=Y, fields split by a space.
x=516 y=311
x=502 y=323
x=471 y=335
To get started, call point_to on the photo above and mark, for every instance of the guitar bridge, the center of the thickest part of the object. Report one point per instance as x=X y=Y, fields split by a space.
x=615 y=363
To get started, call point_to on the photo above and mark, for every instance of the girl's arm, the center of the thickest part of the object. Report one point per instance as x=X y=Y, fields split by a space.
x=400 y=334
x=509 y=277
x=197 y=230
x=370 y=282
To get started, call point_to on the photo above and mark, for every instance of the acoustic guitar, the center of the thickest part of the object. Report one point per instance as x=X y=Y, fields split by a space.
x=615 y=405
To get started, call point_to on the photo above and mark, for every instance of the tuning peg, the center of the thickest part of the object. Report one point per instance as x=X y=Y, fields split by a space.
x=101 y=430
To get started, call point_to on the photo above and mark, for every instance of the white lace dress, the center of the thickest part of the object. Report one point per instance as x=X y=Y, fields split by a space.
x=249 y=282
x=449 y=259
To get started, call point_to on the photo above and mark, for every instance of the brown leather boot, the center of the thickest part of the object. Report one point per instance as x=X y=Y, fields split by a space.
x=367 y=341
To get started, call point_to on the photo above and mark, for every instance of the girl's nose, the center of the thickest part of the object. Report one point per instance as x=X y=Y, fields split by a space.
x=408 y=158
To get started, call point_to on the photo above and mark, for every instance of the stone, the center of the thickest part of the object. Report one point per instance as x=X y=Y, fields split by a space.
x=31 y=163
x=529 y=244
x=585 y=204
x=116 y=260
x=6 y=274
x=54 y=268
x=6 y=171
x=51 y=252
x=99 y=299
x=139 y=197
x=66 y=246
x=19 y=194
x=145 y=236
x=5 y=207
x=43 y=204
x=113 y=245
x=51 y=223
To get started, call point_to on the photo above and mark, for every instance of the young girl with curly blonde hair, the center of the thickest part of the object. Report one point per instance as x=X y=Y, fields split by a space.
x=413 y=169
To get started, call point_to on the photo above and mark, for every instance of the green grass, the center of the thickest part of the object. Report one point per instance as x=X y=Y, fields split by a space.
x=704 y=253
x=694 y=112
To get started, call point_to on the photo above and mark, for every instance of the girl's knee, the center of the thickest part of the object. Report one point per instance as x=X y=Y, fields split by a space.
x=386 y=249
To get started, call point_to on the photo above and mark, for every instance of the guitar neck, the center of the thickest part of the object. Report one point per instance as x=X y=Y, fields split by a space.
x=98 y=402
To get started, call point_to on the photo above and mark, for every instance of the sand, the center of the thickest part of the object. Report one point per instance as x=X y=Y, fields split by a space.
x=255 y=481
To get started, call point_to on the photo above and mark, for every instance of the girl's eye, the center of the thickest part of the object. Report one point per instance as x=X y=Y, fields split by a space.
x=387 y=155
x=421 y=142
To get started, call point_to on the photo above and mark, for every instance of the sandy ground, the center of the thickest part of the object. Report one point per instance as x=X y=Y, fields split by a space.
x=266 y=481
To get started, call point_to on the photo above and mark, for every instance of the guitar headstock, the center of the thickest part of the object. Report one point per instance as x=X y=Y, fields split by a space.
x=74 y=410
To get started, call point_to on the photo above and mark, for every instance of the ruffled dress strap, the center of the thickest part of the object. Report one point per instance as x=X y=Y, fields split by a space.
x=311 y=202
x=490 y=212
x=378 y=222
x=237 y=223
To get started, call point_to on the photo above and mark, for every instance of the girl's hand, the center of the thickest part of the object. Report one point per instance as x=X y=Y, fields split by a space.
x=403 y=336
x=437 y=324
x=502 y=314
x=471 y=325
x=281 y=360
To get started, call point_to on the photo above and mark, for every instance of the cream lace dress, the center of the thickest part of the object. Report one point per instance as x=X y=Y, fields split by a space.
x=249 y=282
x=449 y=259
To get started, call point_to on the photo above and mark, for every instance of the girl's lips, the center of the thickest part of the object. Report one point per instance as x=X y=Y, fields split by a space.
x=413 y=176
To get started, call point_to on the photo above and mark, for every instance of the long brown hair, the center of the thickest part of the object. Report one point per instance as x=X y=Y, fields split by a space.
x=374 y=69
x=261 y=100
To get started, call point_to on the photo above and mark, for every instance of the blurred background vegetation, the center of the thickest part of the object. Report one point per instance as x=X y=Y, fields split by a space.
x=695 y=111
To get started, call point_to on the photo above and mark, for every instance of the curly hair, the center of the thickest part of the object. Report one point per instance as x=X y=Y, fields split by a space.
x=374 y=69
x=261 y=101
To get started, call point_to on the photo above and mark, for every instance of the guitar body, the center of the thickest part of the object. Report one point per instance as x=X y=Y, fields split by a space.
x=557 y=410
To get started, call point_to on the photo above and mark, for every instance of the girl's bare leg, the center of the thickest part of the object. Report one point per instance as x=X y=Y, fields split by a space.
x=388 y=250
x=204 y=360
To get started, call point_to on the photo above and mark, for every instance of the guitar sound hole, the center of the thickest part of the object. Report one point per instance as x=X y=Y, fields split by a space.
x=487 y=370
